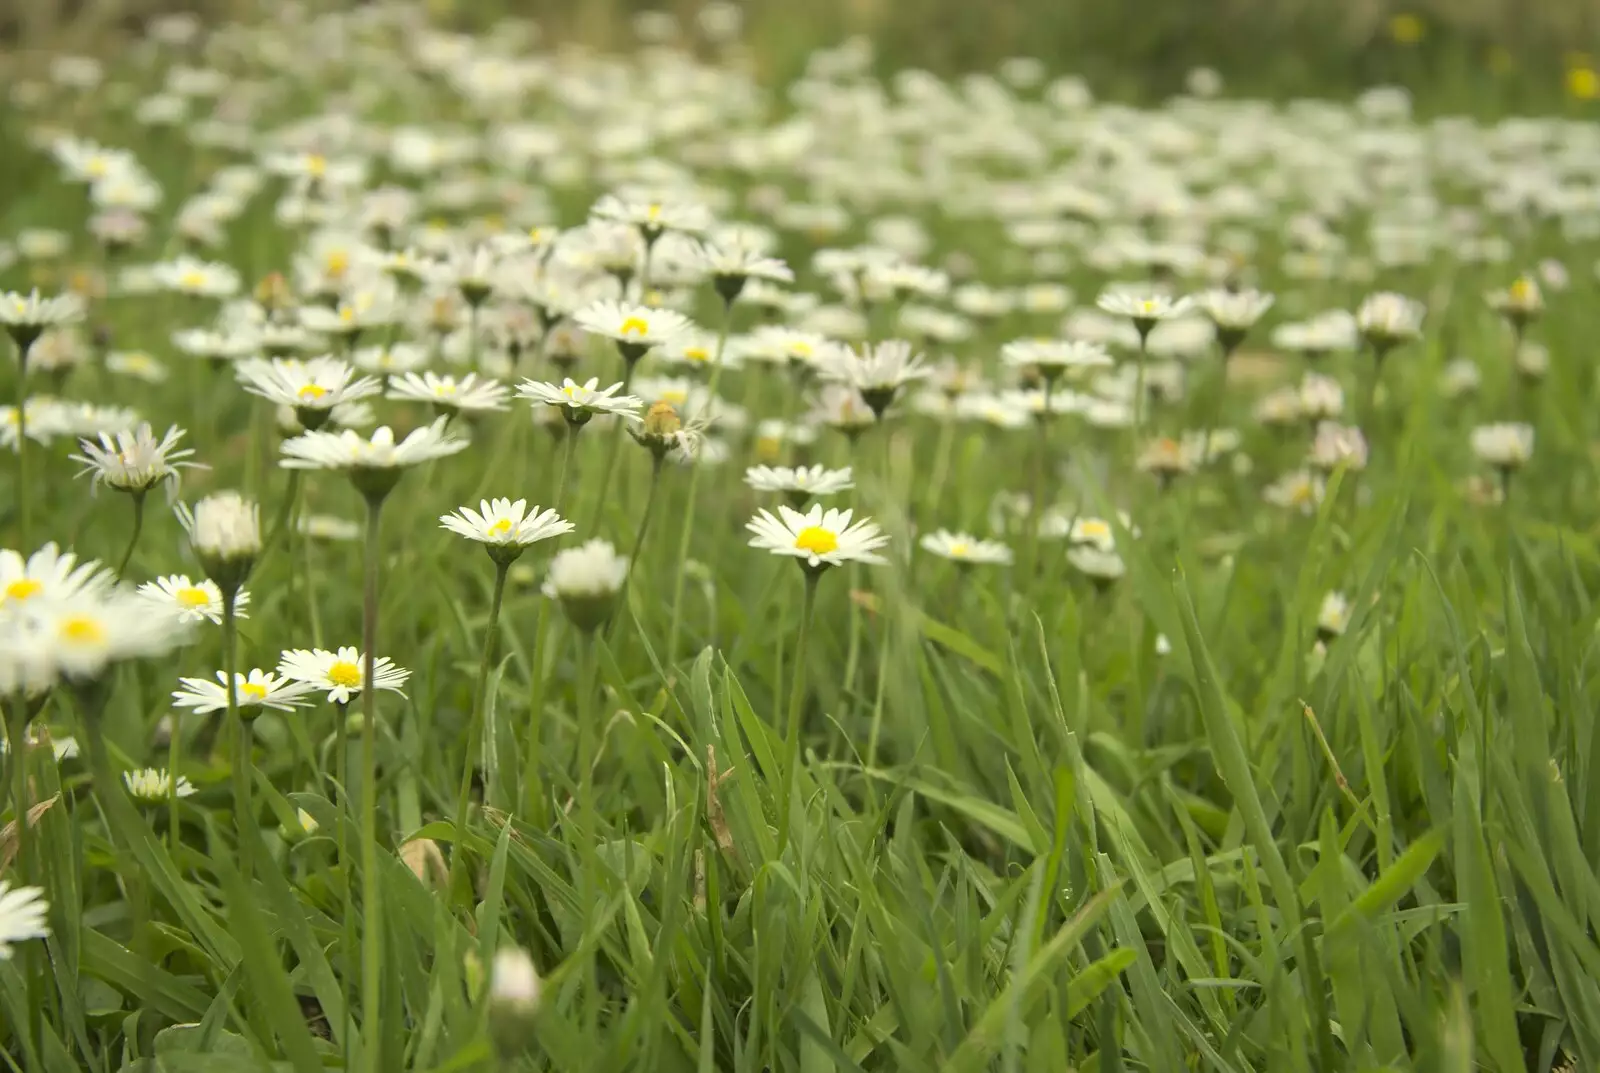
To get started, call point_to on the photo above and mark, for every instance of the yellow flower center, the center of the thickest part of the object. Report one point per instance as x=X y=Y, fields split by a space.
x=676 y=396
x=696 y=353
x=192 y=280
x=768 y=446
x=800 y=350
x=312 y=392
x=1147 y=306
x=1301 y=494
x=1095 y=530
x=23 y=587
x=501 y=527
x=1522 y=290
x=817 y=540
x=337 y=263
x=344 y=673
x=653 y=213
x=1407 y=29
x=82 y=630
x=569 y=390
x=98 y=166
x=316 y=165
x=960 y=549
x=252 y=692
x=192 y=597
x=347 y=313
x=634 y=326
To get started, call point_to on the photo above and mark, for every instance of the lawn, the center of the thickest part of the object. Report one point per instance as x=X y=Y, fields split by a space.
x=531 y=557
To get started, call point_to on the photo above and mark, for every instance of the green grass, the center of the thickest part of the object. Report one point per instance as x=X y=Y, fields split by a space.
x=1026 y=824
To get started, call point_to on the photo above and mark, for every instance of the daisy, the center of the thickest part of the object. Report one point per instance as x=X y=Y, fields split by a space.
x=1100 y=566
x=1233 y=313
x=329 y=527
x=652 y=218
x=966 y=549
x=586 y=580
x=47 y=574
x=22 y=916
x=1519 y=303
x=1506 y=446
x=1301 y=490
x=134 y=461
x=799 y=483
x=502 y=523
x=514 y=987
x=76 y=637
x=353 y=314
x=340 y=672
x=580 y=402
x=842 y=407
x=1387 y=319
x=1049 y=358
x=152 y=784
x=1145 y=308
x=878 y=371
x=1336 y=445
x=137 y=364
x=634 y=328
x=26 y=316
x=197 y=278
x=258 y=689
x=192 y=601
x=312 y=387
x=776 y=343
x=1333 y=617
x=817 y=538
x=356 y=454
x=732 y=265
x=225 y=531
x=471 y=393
x=393 y=358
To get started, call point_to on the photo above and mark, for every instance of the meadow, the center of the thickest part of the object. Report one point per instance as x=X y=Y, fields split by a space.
x=526 y=556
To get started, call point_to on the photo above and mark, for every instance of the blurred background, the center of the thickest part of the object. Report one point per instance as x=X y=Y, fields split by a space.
x=1486 y=55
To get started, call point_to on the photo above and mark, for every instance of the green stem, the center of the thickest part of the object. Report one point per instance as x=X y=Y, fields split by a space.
x=133 y=538
x=174 y=743
x=371 y=896
x=797 y=696
x=588 y=813
x=1138 y=392
x=644 y=521
x=686 y=531
x=536 y=668
x=24 y=499
x=244 y=817
x=285 y=518
x=475 y=729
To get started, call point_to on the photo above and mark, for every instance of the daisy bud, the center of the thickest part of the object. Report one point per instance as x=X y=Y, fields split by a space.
x=514 y=991
x=225 y=531
x=586 y=580
x=274 y=294
x=660 y=431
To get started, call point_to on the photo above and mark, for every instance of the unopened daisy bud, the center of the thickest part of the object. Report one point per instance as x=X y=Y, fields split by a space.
x=1332 y=617
x=273 y=293
x=586 y=581
x=225 y=531
x=514 y=991
x=1520 y=303
x=660 y=431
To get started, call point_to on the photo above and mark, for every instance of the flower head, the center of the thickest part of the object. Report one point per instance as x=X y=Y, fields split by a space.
x=580 y=402
x=505 y=526
x=652 y=218
x=225 y=531
x=375 y=463
x=153 y=784
x=1145 y=308
x=634 y=328
x=22 y=916
x=47 y=574
x=731 y=265
x=26 y=316
x=965 y=548
x=1333 y=616
x=77 y=636
x=818 y=538
x=257 y=689
x=799 y=483
x=1506 y=446
x=878 y=371
x=1387 y=319
x=313 y=387
x=191 y=601
x=1519 y=303
x=470 y=393
x=1233 y=313
x=192 y=276
x=342 y=672
x=1052 y=357
x=134 y=461
x=514 y=993
x=586 y=580
x=1336 y=445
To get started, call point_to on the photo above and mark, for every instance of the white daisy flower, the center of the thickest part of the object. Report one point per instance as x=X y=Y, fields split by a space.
x=1333 y=616
x=878 y=371
x=223 y=527
x=1145 y=308
x=1102 y=567
x=1505 y=446
x=78 y=636
x=817 y=538
x=349 y=450
x=1301 y=490
x=329 y=527
x=580 y=402
x=1336 y=445
x=341 y=673
x=26 y=316
x=47 y=574
x=1233 y=312
x=192 y=601
x=586 y=580
x=634 y=328
x=192 y=276
x=799 y=481
x=391 y=359
x=23 y=913
x=1052 y=357
x=1519 y=303
x=502 y=522
x=651 y=218
x=469 y=393
x=313 y=386
x=1387 y=319
x=732 y=265
x=137 y=364
x=134 y=461
x=154 y=784
x=965 y=548
x=257 y=689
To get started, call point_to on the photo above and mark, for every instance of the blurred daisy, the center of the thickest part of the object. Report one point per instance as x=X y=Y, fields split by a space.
x=877 y=371
x=153 y=784
x=329 y=527
x=965 y=548
x=313 y=387
x=1386 y=320
x=652 y=218
x=731 y=265
x=580 y=402
x=818 y=538
x=1233 y=313
x=1519 y=303
x=634 y=328
x=1333 y=617
x=134 y=461
x=349 y=450
x=78 y=636
x=137 y=364
x=1301 y=490
x=197 y=278
x=1050 y=358
x=340 y=673
x=469 y=394
x=1506 y=446
x=585 y=580
x=1145 y=308
x=799 y=482
x=1337 y=445
x=1100 y=566
x=23 y=916
x=47 y=574
x=257 y=689
x=27 y=316
x=191 y=601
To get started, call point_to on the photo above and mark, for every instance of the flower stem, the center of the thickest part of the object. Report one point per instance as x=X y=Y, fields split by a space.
x=244 y=818
x=17 y=772
x=475 y=729
x=371 y=897
x=133 y=538
x=797 y=697
x=588 y=814
x=644 y=522
x=536 y=675
x=1138 y=390
x=686 y=532
x=24 y=500
x=285 y=518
